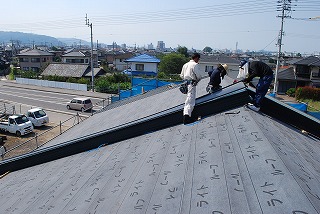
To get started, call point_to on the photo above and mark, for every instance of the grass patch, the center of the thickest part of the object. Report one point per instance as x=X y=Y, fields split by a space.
x=312 y=105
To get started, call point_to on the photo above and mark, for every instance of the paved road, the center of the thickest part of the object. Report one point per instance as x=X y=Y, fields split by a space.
x=53 y=100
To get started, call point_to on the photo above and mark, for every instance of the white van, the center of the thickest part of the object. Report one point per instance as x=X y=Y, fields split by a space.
x=38 y=117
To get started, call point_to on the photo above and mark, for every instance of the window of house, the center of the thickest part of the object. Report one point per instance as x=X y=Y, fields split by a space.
x=25 y=68
x=24 y=60
x=44 y=59
x=139 y=67
x=35 y=59
x=35 y=69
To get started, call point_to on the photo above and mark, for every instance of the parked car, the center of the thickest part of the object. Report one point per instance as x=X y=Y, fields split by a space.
x=37 y=116
x=80 y=103
x=17 y=124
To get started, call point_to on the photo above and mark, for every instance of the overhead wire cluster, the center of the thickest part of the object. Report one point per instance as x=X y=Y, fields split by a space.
x=215 y=10
x=212 y=11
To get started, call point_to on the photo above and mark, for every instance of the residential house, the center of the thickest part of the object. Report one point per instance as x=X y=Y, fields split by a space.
x=209 y=62
x=116 y=60
x=143 y=65
x=72 y=70
x=34 y=60
x=76 y=57
x=304 y=72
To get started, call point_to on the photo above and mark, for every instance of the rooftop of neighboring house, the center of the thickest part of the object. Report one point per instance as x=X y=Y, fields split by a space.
x=143 y=58
x=66 y=70
x=77 y=54
x=311 y=60
x=34 y=52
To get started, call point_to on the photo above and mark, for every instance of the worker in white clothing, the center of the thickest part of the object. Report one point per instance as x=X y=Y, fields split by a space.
x=192 y=74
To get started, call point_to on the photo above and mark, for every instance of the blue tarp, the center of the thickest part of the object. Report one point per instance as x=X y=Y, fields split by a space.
x=314 y=114
x=300 y=106
x=140 y=85
x=303 y=107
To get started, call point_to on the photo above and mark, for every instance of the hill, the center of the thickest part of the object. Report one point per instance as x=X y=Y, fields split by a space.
x=30 y=39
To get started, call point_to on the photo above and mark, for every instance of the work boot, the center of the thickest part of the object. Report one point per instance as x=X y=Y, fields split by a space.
x=253 y=107
x=187 y=119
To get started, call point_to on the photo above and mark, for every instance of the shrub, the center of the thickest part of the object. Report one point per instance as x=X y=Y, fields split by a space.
x=308 y=93
x=291 y=92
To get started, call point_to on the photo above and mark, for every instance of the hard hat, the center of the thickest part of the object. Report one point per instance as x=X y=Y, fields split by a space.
x=225 y=66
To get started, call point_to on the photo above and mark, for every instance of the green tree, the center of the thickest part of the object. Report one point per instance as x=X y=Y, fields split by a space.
x=183 y=50
x=207 y=49
x=172 y=63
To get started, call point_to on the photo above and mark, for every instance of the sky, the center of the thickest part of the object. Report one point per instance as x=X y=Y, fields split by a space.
x=229 y=24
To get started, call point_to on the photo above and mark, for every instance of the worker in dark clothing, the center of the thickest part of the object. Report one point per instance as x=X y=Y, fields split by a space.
x=257 y=69
x=215 y=78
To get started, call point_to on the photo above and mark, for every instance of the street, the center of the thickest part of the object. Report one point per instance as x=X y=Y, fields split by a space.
x=19 y=98
x=24 y=97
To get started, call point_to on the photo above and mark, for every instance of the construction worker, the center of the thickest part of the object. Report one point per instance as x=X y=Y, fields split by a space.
x=215 y=78
x=256 y=69
x=192 y=74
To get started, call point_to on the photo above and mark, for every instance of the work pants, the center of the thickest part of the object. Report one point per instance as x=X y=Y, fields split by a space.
x=262 y=89
x=190 y=100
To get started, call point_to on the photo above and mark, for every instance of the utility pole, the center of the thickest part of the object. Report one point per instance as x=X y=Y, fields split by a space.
x=92 y=77
x=285 y=7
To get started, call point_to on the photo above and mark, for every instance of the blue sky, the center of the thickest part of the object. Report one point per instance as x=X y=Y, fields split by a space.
x=252 y=24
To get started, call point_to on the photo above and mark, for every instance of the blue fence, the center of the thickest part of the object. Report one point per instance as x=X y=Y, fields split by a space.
x=139 y=86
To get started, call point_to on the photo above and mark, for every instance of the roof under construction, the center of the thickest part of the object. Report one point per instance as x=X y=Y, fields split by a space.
x=139 y=158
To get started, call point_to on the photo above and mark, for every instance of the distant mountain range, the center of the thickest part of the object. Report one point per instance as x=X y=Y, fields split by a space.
x=36 y=39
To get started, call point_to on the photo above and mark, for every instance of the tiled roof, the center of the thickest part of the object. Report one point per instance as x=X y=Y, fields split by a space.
x=96 y=71
x=66 y=70
x=144 y=58
x=35 y=52
x=308 y=61
x=218 y=59
x=74 y=54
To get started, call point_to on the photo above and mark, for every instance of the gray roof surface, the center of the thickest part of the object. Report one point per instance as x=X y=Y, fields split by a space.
x=231 y=162
x=238 y=161
x=96 y=71
x=308 y=61
x=130 y=112
x=35 y=52
x=74 y=54
x=66 y=70
x=286 y=74
x=218 y=59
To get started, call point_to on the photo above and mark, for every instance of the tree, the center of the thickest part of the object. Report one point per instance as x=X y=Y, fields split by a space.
x=172 y=63
x=183 y=50
x=207 y=49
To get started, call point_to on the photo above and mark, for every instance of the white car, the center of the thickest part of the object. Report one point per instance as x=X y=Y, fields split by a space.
x=38 y=117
